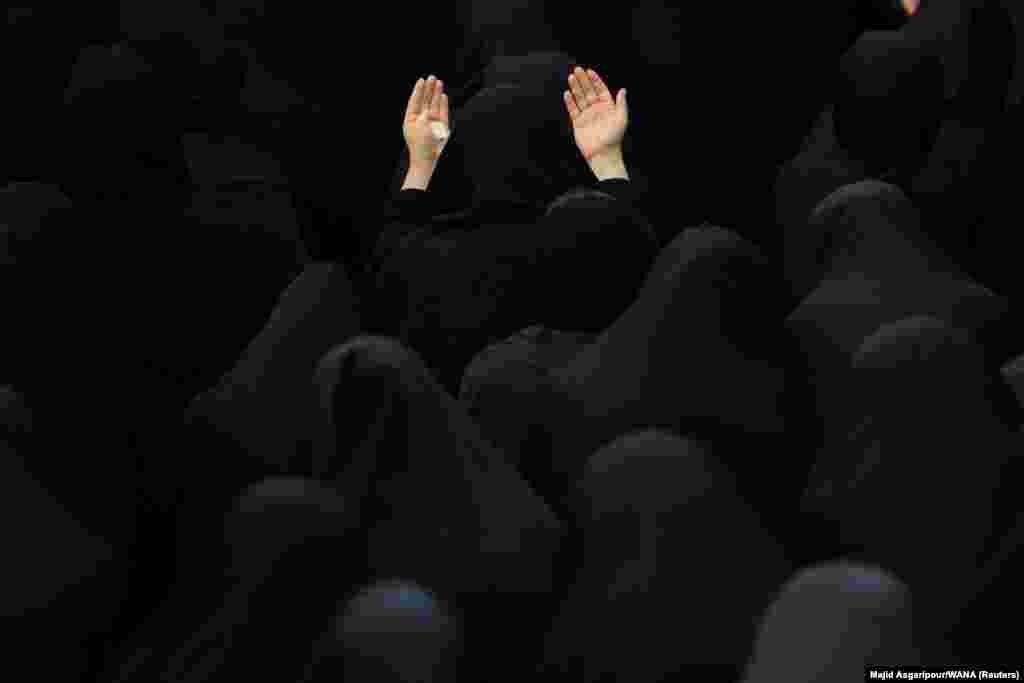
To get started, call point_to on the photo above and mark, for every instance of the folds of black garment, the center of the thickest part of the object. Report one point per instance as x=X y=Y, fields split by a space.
x=121 y=109
x=1013 y=375
x=964 y=183
x=505 y=376
x=292 y=564
x=457 y=287
x=819 y=168
x=61 y=579
x=44 y=52
x=910 y=486
x=24 y=209
x=878 y=266
x=882 y=120
x=15 y=417
x=831 y=622
x=267 y=402
x=986 y=49
x=441 y=505
x=978 y=636
x=785 y=66
x=675 y=566
x=691 y=354
x=888 y=103
x=251 y=204
x=509 y=29
x=149 y=315
x=976 y=44
x=390 y=631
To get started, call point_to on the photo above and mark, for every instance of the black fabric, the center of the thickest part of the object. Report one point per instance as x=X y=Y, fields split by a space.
x=438 y=504
x=24 y=209
x=677 y=357
x=1013 y=375
x=920 y=390
x=888 y=104
x=884 y=115
x=267 y=402
x=831 y=622
x=63 y=579
x=534 y=159
x=990 y=56
x=999 y=596
x=291 y=562
x=952 y=176
x=879 y=267
x=505 y=375
x=389 y=426
x=884 y=15
x=453 y=286
x=658 y=593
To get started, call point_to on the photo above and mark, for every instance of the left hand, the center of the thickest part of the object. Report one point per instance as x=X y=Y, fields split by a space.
x=427 y=108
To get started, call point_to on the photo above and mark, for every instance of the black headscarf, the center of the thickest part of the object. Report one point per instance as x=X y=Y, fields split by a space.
x=575 y=268
x=925 y=429
x=991 y=56
x=515 y=136
x=439 y=505
x=652 y=597
x=390 y=631
x=443 y=507
x=831 y=622
x=888 y=104
x=676 y=358
x=866 y=242
x=267 y=401
x=505 y=375
x=594 y=261
x=292 y=564
x=884 y=15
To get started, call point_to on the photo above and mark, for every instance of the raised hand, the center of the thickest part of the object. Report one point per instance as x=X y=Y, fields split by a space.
x=599 y=121
x=426 y=124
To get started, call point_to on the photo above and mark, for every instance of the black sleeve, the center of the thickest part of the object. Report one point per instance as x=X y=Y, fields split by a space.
x=407 y=213
x=409 y=208
x=620 y=188
x=634 y=193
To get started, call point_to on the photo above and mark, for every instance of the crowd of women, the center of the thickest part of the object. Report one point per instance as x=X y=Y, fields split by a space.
x=710 y=375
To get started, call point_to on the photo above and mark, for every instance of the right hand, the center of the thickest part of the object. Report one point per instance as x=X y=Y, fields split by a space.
x=599 y=122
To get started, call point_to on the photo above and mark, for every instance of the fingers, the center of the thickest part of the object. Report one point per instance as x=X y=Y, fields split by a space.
x=570 y=104
x=600 y=89
x=444 y=109
x=435 y=99
x=576 y=86
x=417 y=98
x=588 y=86
x=429 y=89
x=620 y=100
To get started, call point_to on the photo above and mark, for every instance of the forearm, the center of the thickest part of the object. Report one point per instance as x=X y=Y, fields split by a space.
x=608 y=165
x=419 y=175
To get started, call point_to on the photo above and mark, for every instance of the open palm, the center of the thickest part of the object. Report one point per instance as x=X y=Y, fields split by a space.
x=599 y=121
x=426 y=123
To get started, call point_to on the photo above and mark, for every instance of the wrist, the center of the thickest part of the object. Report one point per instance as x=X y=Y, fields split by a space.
x=419 y=175
x=609 y=164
